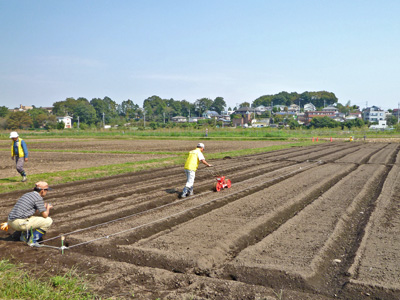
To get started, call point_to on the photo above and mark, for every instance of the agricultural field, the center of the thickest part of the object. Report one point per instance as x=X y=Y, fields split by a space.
x=317 y=222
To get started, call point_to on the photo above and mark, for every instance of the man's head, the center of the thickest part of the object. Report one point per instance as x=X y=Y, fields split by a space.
x=14 y=135
x=201 y=146
x=41 y=187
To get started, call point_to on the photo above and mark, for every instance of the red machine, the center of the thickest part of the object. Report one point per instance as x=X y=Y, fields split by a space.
x=222 y=183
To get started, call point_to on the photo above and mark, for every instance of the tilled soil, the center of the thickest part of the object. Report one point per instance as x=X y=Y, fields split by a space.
x=318 y=222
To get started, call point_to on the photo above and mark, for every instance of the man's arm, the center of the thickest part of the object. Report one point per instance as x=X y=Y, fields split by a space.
x=206 y=163
x=25 y=148
x=46 y=213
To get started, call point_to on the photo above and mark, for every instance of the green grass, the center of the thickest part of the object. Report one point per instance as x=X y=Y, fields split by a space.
x=227 y=133
x=17 y=282
x=13 y=183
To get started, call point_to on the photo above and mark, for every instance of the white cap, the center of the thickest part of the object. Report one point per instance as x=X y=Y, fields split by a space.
x=13 y=134
x=201 y=145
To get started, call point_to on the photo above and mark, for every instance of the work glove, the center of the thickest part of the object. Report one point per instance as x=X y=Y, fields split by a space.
x=4 y=226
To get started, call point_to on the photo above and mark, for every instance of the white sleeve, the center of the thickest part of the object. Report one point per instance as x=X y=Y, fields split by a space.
x=201 y=156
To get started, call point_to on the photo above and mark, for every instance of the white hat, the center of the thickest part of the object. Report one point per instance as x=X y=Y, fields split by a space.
x=13 y=134
x=201 y=145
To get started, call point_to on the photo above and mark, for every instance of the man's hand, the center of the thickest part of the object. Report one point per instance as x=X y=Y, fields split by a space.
x=26 y=159
x=48 y=205
x=4 y=226
x=210 y=165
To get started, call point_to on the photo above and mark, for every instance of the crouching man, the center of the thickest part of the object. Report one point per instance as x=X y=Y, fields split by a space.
x=21 y=217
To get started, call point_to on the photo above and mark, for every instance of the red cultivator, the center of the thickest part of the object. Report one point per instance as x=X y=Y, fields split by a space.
x=222 y=183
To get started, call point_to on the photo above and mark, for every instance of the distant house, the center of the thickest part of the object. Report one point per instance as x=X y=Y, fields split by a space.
x=309 y=115
x=67 y=121
x=244 y=120
x=294 y=108
x=374 y=114
x=179 y=119
x=354 y=115
x=49 y=109
x=330 y=108
x=247 y=111
x=263 y=108
x=210 y=114
x=22 y=108
x=280 y=107
x=309 y=107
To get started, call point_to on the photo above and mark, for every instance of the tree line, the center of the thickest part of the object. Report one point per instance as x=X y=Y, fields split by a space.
x=155 y=110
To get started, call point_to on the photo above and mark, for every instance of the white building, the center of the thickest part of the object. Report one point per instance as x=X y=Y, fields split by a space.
x=309 y=107
x=374 y=114
x=67 y=121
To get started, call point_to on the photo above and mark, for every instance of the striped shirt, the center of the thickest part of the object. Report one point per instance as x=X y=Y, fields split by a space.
x=26 y=206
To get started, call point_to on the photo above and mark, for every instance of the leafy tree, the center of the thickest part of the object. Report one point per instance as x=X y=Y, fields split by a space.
x=128 y=109
x=104 y=106
x=187 y=108
x=218 y=105
x=39 y=116
x=64 y=108
x=174 y=108
x=391 y=120
x=244 y=104
x=18 y=120
x=86 y=113
x=202 y=105
x=154 y=106
x=60 y=125
x=293 y=124
x=3 y=111
x=324 y=122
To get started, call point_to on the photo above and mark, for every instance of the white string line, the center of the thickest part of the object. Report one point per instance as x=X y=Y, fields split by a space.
x=149 y=210
x=184 y=211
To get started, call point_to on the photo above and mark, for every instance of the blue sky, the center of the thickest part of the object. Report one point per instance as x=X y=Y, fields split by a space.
x=187 y=50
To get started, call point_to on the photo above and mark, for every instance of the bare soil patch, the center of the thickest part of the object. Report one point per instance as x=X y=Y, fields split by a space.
x=316 y=222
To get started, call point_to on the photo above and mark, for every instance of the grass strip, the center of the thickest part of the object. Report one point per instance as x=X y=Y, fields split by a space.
x=13 y=183
x=16 y=282
x=102 y=151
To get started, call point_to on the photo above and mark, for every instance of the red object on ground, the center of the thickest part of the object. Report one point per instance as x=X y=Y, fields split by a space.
x=222 y=183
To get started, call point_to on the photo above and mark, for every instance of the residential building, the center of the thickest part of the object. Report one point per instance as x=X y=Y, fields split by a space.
x=373 y=114
x=309 y=107
x=67 y=121
x=330 y=108
x=309 y=115
x=210 y=114
x=179 y=119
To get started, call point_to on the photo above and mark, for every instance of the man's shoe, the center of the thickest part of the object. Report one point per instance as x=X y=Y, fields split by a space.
x=36 y=237
x=184 y=192
x=24 y=179
x=24 y=237
x=191 y=193
x=37 y=245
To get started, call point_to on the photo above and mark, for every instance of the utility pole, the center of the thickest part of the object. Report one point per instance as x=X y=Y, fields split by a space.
x=164 y=116
x=398 y=108
x=104 y=123
x=144 y=118
x=78 y=122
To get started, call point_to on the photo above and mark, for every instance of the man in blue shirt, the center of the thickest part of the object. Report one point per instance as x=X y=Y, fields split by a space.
x=19 y=151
